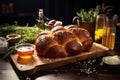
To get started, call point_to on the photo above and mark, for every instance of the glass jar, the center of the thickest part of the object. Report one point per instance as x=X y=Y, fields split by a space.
x=109 y=31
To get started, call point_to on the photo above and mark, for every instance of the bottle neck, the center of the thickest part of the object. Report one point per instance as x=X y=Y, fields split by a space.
x=41 y=15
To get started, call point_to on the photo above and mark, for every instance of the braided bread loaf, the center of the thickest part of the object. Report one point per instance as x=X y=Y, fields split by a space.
x=63 y=41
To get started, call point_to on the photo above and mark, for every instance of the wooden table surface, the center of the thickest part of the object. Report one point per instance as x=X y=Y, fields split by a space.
x=68 y=72
x=6 y=71
x=74 y=71
x=82 y=70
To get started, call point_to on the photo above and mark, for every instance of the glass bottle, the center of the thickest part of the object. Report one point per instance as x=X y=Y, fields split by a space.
x=109 y=31
x=100 y=22
x=41 y=19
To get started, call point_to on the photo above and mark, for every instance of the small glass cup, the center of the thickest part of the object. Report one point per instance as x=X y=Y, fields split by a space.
x=25 y=52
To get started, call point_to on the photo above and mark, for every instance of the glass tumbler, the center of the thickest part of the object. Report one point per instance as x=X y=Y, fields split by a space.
x=25 y=53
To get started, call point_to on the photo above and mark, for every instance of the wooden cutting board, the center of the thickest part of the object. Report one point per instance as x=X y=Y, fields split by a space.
x=40 y=63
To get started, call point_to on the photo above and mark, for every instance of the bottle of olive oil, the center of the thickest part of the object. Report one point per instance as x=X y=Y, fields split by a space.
x=41 y=19
x=100 y=22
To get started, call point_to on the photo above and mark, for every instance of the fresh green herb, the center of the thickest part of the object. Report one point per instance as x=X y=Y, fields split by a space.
x=88 y=16
x=29 y=35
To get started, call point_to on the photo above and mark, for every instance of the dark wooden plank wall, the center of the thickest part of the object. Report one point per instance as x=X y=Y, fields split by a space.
x=64 y=10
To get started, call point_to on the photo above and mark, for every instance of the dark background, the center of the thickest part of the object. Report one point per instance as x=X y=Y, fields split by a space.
x=26 y=11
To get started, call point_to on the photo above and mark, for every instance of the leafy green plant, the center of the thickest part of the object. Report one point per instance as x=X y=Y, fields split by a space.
x=88 y=16
x=29 y=35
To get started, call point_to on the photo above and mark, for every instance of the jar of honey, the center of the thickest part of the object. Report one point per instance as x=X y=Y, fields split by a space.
x=25 y=52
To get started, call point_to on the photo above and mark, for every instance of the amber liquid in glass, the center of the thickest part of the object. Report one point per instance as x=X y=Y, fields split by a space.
x=108 y=38
x=25 y=52
x=112 y=41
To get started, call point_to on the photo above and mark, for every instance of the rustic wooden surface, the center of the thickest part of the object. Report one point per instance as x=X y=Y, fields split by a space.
x=6 y=71
x=40 y=63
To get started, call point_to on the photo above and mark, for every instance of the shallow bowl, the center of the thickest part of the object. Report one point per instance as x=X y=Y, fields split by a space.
x=13 y=38
x=111 y=63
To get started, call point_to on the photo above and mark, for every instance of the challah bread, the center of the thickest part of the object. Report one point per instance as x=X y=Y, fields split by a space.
x=63 y=41
x=46 y=46
x=83 y=35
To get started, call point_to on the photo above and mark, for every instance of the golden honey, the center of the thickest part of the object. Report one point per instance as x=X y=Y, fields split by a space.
x=25 y=51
